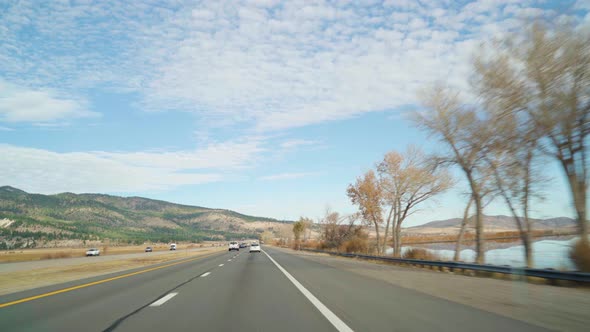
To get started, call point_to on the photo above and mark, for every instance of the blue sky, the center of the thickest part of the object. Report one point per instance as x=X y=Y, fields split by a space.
x=264 y=107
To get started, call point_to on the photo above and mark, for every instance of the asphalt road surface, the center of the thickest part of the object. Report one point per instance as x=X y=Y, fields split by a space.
x=231 y=291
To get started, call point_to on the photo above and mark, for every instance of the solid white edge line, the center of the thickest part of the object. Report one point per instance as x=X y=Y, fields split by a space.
x=205 y=274
x=163 y=300
x=330 y=316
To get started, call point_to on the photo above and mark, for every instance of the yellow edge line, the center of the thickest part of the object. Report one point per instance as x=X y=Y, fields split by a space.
x=69 y=289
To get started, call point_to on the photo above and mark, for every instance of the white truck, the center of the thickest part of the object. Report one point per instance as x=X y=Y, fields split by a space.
x=233 y=245
x=173 y=246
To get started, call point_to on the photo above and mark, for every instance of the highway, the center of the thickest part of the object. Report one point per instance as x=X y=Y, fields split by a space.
x=230 y=291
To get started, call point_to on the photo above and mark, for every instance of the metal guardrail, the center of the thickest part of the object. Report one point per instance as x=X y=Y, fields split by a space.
x=539 y=273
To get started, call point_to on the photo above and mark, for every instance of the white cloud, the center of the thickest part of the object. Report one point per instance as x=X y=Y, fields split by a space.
x=45 y=171
x=582 y=4
x=18 y=104
x=254 y=63
x=286 y=176
x=295 y=143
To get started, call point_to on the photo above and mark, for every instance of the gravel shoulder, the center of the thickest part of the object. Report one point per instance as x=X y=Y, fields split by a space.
x=552 y=307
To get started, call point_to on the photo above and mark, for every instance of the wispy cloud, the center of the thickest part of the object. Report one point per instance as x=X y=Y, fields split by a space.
x=19 y=104
x=258 y=63
x=2 y=128
x=286 y=176
x=47 y=171
x=295 y=143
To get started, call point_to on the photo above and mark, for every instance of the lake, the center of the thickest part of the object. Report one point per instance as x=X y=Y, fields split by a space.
x=550 y=253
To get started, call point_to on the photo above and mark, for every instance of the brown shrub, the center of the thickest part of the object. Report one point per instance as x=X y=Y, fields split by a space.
x=418 y=253
x=355 y=245
x=104 y=250
x=580 y=255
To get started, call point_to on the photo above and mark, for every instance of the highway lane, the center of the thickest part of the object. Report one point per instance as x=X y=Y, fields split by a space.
x=94 y=308
x=247 y=292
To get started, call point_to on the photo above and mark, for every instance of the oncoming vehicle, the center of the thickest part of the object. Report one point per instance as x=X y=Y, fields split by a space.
x=173 y=246
x=234 y=246
x=148 y=249
x=93 y=252
x=255 y=247
x=243 y=245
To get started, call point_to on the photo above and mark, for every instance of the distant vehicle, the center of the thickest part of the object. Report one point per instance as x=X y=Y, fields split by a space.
x=255 y=247
x=148 y=249
x=243 y=245
x=173 y=246
x=234 y=246
x=93 y=252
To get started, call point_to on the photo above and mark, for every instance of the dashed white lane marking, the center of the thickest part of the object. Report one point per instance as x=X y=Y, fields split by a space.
x=205 y=274
x=332 y=318
x=220 y=264
x=163 y=300
x=229 y=260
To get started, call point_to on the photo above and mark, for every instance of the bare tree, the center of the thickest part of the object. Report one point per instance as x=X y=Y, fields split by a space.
x=336 y=229
x=542 y=76
x=366 y=193
x=308 y=225
x=462 y=130
x=406 y=181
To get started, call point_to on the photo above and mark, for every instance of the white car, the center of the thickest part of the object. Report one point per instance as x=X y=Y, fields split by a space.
x=255 y=247
x=173 y=246
x=234 y=246
x=93 y=252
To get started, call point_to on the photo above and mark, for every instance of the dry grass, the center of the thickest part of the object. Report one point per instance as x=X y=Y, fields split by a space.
x=355 y=245
x=53 y=253
x=21 y=280
x=60 y=254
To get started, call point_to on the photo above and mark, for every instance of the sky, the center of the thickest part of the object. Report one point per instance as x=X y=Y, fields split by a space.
x=265 y=107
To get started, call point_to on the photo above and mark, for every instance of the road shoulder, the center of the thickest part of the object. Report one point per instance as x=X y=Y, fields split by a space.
x=552 y=307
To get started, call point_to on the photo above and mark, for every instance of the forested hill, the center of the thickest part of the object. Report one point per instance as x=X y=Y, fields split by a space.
x=33 y=219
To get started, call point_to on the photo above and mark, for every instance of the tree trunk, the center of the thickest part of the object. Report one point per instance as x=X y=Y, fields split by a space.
x=462 y=230
x=397 y=251
x=578 y=189
x=580 y=204
x=387 y=231
x=479 y=238
x=378 y=238
x=528 y=249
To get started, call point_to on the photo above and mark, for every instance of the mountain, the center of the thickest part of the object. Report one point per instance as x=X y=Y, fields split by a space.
x=493 y=224
x=35 y=219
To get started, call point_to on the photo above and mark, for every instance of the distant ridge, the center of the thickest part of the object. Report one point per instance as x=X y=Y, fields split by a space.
x=499 y=223
x=39 y=219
